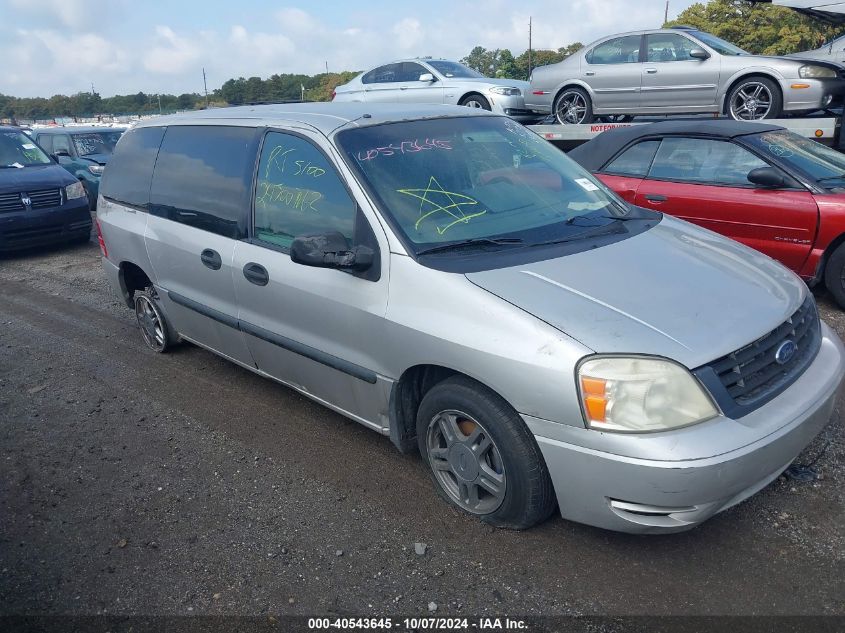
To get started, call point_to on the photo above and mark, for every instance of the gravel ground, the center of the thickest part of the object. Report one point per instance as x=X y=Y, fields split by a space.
x=143 y=484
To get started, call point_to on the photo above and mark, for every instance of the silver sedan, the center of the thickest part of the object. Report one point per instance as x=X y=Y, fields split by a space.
x=432 y=81
x=679 y=71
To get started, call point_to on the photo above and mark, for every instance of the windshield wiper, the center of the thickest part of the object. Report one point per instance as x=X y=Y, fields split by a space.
x=478 y=241
x=583 y=234
x=623 y=218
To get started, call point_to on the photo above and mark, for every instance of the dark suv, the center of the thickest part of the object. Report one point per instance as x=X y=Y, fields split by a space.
x=40 y=203
x=83 y=151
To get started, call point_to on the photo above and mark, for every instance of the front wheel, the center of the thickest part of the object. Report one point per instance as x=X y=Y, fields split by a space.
x=475 y=101
x=482 y=457
x=573 y=107
x=755 y=99
x=834 y=275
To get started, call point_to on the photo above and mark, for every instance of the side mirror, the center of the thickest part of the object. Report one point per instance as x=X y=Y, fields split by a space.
x=768 y=177
x=330 y=250
x=60 y=152
x=427 y=77
x=699 y=53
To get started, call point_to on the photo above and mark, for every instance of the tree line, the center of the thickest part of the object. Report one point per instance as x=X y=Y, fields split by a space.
x=759 y=29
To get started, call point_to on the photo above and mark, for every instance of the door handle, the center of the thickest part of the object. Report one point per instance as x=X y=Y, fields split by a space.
x=651 y=71
x=256 y=274
x=403 y=87
x=211 y=259
x=590 y=73
x=654 y=197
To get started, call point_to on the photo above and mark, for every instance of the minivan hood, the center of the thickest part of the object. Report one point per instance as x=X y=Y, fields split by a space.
x=676 y=291
x=33 y=178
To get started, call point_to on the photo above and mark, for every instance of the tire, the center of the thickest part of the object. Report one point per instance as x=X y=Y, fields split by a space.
x=475 y=101
x=573 y=106
x=156 y=330
x=834 y=275
x=615 y=118
x=755 y=99
x=474 y=443
x=92 y=202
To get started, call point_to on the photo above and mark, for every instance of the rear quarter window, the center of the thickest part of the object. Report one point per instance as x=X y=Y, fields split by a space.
x=203 y=177
x=634 y=161
x=130 y=170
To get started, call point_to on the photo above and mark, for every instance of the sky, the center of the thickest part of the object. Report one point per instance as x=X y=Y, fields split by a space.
x=120 y=46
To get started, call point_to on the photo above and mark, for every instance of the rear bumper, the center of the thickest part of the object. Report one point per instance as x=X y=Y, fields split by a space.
x=27 y=229
x=631 y=494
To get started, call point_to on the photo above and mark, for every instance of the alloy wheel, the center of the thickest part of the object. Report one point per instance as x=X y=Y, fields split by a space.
x=571 y=108
x=751 y=102
x=466 y=462
x=150 y=321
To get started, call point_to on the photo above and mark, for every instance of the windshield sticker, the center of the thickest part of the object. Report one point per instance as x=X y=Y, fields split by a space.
x=433 y=200
x=28 y=146
x=776 y=147
x=405 y=147
x=586 y=206
x=586 y=185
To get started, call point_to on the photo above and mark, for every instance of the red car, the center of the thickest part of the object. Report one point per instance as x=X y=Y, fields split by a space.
x=761 y=185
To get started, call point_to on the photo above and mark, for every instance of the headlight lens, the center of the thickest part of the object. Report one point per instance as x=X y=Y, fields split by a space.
x=74 y=191
x=816 y=72
x=639 y=395
x=97 y=170
x=504 y=90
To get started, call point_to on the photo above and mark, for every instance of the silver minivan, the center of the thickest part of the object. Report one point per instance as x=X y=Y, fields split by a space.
x=452 y=281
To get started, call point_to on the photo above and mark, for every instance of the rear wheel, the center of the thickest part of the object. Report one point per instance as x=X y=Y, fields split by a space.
x=155 y=329
x=754 y=99
x=475 y=101
x=834 y=275
x=573 y=107
x=482 y=457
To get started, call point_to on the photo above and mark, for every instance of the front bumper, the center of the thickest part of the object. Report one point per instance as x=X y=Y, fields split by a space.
x=26 y=229
x=511 y=106
x=820 y=94
x=658 y=495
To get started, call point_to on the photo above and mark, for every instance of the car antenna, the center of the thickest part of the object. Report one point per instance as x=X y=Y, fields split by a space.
x=363 y=116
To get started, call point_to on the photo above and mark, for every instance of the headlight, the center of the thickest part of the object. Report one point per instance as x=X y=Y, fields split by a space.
x=816 y=72
x=74 y=191
x=97 y=170
x=504 y=90
x=638 y=395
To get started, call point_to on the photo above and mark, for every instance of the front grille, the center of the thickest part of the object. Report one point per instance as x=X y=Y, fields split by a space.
x=40 y=199
x=10 y=202
x=45 y=198
x=752 y=375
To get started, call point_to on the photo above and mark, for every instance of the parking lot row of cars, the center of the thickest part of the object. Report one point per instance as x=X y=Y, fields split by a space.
x=664 y=71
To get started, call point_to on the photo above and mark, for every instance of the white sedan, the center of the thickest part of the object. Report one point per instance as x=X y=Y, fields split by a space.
x=427 y=80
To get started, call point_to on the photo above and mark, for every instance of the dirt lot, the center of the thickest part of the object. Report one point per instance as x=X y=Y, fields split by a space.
x=135 y=483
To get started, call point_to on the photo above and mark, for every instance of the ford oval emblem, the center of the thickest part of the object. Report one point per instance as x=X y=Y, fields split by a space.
x=786 y=352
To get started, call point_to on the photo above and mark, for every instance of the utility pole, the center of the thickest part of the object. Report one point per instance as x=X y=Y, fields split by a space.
x=666 y=14
x=529 y=47
x=159 y=104
x=327 y=67
x=92 y=88
x=205 y=85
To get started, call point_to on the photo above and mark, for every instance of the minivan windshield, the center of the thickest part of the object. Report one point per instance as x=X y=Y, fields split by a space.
x=718 y=44
x=18 y=150
x=453 y=69
x=96 y=142
x=818 y=161
x=477 y=180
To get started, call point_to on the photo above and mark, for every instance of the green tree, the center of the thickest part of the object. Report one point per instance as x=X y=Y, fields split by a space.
x=761 y=29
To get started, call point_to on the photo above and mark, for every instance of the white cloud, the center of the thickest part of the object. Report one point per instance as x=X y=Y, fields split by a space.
x=116 y=46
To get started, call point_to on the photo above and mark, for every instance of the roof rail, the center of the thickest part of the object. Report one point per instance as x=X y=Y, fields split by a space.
x=684 y=27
